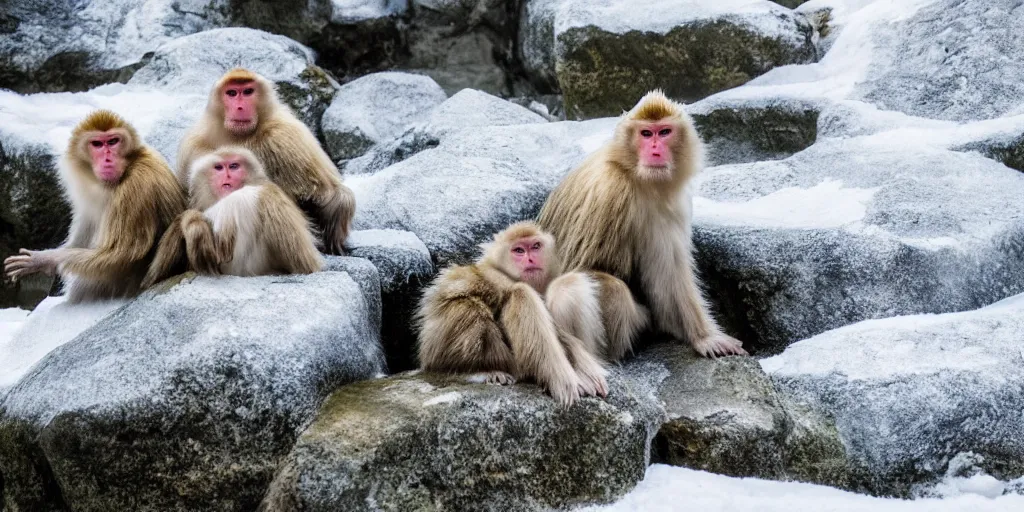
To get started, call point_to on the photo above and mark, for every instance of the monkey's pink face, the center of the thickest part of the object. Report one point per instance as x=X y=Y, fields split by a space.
x=228 y=175
x=528 y=256
x=107 y=162
x=654 y=143
x=240 y=100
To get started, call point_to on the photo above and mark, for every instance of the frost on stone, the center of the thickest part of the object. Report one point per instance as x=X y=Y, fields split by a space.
x=375 y=109
x=470 y=108
x=354 y=11
x=398 y=255
x=910 y=393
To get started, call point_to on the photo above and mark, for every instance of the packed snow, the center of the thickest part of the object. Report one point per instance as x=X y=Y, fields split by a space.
x=671 y=489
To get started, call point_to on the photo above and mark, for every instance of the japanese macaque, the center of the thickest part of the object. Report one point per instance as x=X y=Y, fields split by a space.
x=491 y=318
x=626 y=211
x=239 y=223
x=244 y=110
x=123 y=196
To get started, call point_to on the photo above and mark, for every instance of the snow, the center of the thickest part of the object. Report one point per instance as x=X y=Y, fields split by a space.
x=661 y=16
x=25 y=341
x=391 y=238
x=351 y=11
x=671 y=489
x=826 y=205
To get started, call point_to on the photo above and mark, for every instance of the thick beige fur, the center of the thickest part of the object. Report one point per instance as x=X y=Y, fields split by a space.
x=613 y=215
x=256 y=230
x=291 y=154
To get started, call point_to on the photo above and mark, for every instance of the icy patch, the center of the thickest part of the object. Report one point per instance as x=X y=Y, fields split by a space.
x=666 y=487
x=52 y=324
x=827 y=205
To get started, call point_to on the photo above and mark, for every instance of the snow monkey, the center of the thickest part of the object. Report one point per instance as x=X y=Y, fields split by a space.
x=490 y=317
x=244 y=110
x=626 y=211
x=123 y=196
x=240 y=223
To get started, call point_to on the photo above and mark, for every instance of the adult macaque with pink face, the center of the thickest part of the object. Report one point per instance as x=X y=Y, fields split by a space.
x=244 y=110
x=123 y=196
x=239 y=223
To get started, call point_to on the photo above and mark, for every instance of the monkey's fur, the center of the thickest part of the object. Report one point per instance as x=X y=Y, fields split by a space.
x=484 y=318
x=255 y=230
x=290 y=153
x=614 y=215
x=114 y=227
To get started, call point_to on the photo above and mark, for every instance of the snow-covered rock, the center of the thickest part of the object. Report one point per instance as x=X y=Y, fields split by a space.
x=474 y=183
x=375 y=109
x=608 y=53
x=851 y=229
x=421 y=441
x=186 y=397
x=350 y=11
x=725 y=416
x=53 y=46
x=405 y=268
x=909 y=394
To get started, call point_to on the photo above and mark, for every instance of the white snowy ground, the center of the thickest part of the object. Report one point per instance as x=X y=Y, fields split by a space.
x=668 y=488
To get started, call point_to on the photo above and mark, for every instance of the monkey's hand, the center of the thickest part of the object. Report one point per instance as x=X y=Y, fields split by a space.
x=565 y=389
x=31 y=262
x=719 y=344
x=498 y=378
x=591 y=376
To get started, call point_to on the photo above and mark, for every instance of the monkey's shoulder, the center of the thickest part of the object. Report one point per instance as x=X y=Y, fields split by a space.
x=466 y=282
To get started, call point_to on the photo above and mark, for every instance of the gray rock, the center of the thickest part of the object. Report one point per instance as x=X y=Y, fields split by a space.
x=608 y=53
x=750 y=130
x=186 y=398
x=405 y=268
x=192 y=64
x=852 y=229
x=910 y=395
x=725 y=416
x=431 y=442
x=473 y=184
x=54 y=46
x=375 y=109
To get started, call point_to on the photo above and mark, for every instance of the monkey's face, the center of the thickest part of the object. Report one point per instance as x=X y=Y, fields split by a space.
x=654 y=142
x=240 y=101
x=108 y=164
x=529 y=257
x=228 y=175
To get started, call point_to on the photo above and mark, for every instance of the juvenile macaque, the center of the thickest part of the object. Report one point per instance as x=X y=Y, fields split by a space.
x=123 y=196
x=244 y=110
x=626 y=211
x=239 y=224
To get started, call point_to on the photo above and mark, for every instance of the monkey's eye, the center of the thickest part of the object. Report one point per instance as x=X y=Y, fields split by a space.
x=233 y=165
x=536 y=246
x=96 y=144
x=519 y=250
x=231 y=92
x=665 y=132
x=646 y=133
x=248 y=91
x=218 y=167
x=113 y=142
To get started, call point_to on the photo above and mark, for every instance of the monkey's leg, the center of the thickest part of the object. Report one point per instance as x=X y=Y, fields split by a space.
x=573 y=302
x=461 y=335
x=535 y=346
x=170 y=255
x=589 y=368
x=205 y=252
x=623 y=318
x=336 y=208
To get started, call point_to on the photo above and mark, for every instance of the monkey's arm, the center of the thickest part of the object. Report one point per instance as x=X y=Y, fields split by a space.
x=170 y=256
x=676 y=300
x=204 y=249
x=286 y=233
x=537 y=350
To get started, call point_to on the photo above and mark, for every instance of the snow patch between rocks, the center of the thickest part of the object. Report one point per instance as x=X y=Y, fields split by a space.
x=826 y=205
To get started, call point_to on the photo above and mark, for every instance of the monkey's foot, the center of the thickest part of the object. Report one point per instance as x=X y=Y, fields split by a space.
x=497 y=378
x=565 y=389
x=719 y=344
x=592 y=380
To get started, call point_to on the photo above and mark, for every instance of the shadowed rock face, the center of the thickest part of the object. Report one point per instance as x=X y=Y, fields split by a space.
x=186 y=398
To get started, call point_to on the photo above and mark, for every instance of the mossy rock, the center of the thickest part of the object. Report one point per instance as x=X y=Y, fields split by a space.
x=603 y=73
x=758 y=130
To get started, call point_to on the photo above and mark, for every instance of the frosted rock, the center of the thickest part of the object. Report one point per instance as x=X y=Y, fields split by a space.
x=375 y=109
x=208 y=376
x=911 y=393
x=352 y=11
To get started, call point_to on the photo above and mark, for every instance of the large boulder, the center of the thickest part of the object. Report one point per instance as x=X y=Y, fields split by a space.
x=187 y=397
x=428 y=442
x=912 y=395
x=190 y=65
x=725 y=416
x=857 y=228
x=375 y=109
x=474 y=183
x=607 y=54
x=51 y=46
